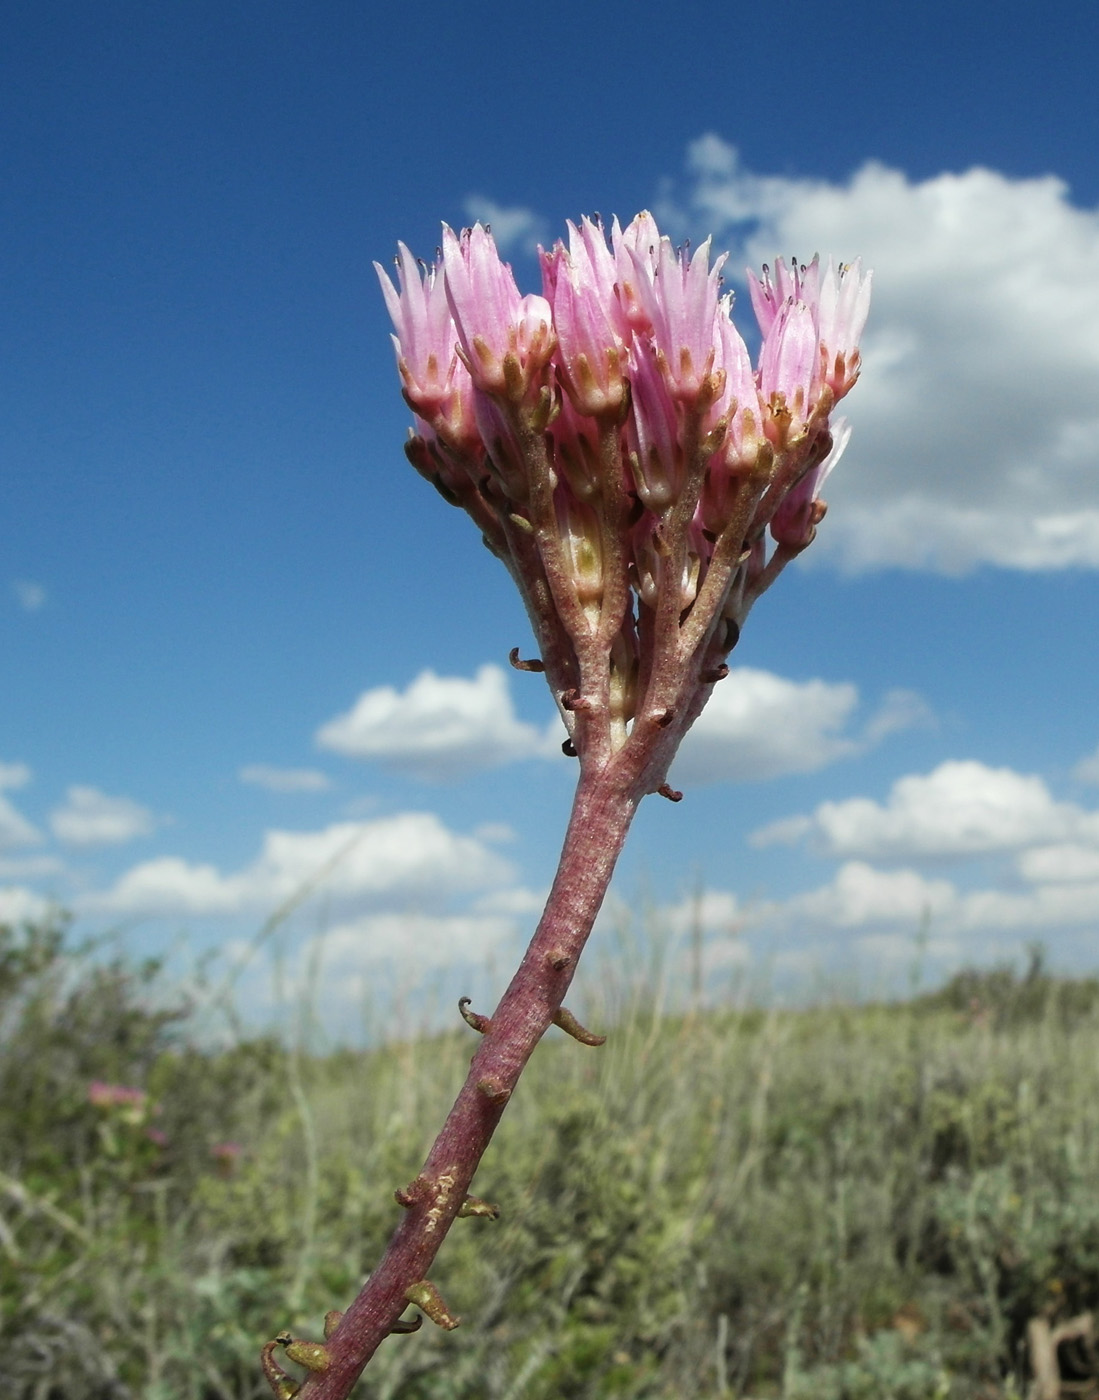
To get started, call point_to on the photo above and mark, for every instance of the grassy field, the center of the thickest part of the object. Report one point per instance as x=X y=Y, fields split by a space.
x=843 y=1203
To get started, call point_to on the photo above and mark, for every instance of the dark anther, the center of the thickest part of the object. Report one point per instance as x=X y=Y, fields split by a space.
x=573 y=700
x=481 y=1024
x=558 y=959
x=284 y=1338
x=521 y=665
x=732 y=634
x=568 y=748
x=718 y=673
x=666 y=790
x=666 y=718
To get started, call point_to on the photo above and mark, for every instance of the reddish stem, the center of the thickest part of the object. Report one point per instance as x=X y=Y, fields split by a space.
x=605 y=802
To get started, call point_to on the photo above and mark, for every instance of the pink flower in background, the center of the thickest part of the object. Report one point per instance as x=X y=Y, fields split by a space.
x=225 y=1157
x=103 y=1095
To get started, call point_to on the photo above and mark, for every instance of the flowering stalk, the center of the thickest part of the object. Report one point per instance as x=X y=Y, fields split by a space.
x=621 y=456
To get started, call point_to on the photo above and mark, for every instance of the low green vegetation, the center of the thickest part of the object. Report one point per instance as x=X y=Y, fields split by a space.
x=842 y=1203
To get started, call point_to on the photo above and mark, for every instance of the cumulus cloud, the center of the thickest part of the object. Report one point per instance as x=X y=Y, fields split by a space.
x=92 y=818
x=758 y=725
x=962 y=808
x=514 y=228
x=440 y=728
x=284 y=779
x=408 y=858
x=977 y=418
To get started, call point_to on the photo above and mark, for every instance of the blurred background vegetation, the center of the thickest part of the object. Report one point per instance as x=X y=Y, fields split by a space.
x=847 y=1202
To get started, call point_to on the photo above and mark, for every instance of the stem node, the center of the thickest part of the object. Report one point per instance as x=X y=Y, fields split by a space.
x=494 y=1089
x=410 y=1195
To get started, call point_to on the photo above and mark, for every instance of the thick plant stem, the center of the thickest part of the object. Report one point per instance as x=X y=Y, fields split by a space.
x=604 y=806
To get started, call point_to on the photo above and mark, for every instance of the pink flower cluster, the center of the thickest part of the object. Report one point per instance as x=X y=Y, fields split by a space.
x=617 y=419
x=638 y=331
x=103 y=1095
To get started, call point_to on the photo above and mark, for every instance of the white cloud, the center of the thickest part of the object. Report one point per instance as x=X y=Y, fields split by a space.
x=517 y=901
x=860 y=895
x=758 y=725
x=30 y=867
x=408 y=858
x=710 y=911
x=30 y=596
x=14 y=775
x=977 y=416
x=284 y=779
x=441 y=727
x=22 y=906
x=92 y=818
x=419 y=941
x=1067 y=862
x=513 y=228
x=864 y=901
x=962 y=808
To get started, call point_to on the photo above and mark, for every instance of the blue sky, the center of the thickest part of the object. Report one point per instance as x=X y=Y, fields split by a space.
x=214 y=548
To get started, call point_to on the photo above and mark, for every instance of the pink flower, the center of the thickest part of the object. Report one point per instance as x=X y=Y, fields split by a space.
x=844 y=306
x=681 y=299
x=800 y=512
x=652 y=433
x=225 y=1156
x=789 y=364
x=835 y=304
x=493 y=321
x=591 y=333
x=103 y=1095
x=790 y=284
x=437 y=385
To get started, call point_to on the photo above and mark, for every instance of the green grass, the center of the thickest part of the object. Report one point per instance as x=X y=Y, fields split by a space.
x=843 y=1203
